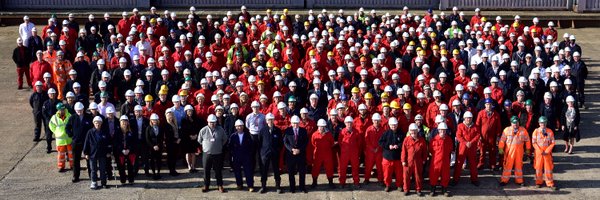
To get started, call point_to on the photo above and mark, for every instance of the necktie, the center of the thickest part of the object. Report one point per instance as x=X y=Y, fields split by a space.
x=295 y=134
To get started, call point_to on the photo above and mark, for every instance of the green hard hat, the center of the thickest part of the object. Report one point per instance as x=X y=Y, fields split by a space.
x=60 y=106
x=188 y=78
x=543 y=120
x=98 y=45
x=529 y=102
x=103 y=94
x=292 y=98
x=514 y=119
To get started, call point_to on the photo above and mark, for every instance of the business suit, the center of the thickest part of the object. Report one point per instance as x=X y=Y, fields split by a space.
x=242 y=155
x=77 y=128
x=155 y=138
x=296 y=163
x=270 y=144
x=139 y=130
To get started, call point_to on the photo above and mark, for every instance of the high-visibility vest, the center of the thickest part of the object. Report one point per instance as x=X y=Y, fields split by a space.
x=58 y=127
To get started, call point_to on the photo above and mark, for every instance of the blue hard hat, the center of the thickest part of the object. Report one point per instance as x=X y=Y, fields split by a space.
x=489 y=100
x=507 y=103
x=466 y=96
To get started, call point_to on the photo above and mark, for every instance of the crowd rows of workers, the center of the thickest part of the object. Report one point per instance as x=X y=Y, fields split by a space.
x=413 y=96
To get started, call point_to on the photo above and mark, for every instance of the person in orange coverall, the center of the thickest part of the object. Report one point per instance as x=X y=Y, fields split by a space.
x=467 y=135
x=349 y=141
x=373 y=152
x=542 y=141
x=322 y=141
x=60 y=70
x=511 y=146
x=414 y=155
x=488 y=121
x=440 y=148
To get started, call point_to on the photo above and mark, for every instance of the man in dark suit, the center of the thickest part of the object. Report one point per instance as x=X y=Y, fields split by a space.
x=138 y=127
x=241 y=148
x=295 y=141
x=77 y=128
x=270 y=144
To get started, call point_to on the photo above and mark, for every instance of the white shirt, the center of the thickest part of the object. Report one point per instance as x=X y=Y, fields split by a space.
x=241 y=136
x=25 y=32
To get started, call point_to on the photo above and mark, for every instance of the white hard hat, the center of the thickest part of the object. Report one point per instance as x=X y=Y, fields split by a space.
x=376 y=116
x=239 y=122
x=393 y=121
x=110 y=110
x=348 y=119
x=78 y=106
x=270 y=116
x=442 y=126
x=413 y=126
x=212 y=118
x=322 y=122
x=93 y=106
x=295 y=119
x=468 y=114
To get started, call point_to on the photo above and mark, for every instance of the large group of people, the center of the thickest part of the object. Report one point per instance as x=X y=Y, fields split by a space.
x=413 y=96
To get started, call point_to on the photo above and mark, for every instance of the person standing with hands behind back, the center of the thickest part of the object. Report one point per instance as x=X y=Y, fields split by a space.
x=154 y=140
x=95 y=150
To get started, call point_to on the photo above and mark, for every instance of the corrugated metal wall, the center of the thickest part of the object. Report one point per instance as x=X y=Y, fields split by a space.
x=510 y=4
x=232 y=3
x=367 y=4
x=70 y=4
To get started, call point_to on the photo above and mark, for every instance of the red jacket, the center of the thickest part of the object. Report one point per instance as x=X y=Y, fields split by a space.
x=349 y=142
x=489 y=126
x=372 y=136
x=38 y=69
x=414 y=151
x=466 y=134
x=322 y=143
x=440 y=150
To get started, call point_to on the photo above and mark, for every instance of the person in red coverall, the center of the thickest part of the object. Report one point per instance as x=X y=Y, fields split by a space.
x=488 y=121
x=373 y=152
x=349 y=141
x=414 y=154
x=467 y=135
x=440 y=148
x=322 y=141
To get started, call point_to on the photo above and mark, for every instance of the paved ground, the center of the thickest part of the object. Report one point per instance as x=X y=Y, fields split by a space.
x=27 y=172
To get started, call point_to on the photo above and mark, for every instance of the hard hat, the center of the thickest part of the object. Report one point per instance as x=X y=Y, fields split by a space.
x=78 y=106
x=295 y=119
x=93 y=106
x=514 y=119
x=376 y=116
x=60 y=106
x=124 y=118
x=413 y=126
x=468 y=114
x=322 y=123
x=270 y=116
x=212 y=118
x=138 y=108
x=148 y=98
x=419 y=117
x=529 y=102
x=442 y=126
x=570 y=99
x=394 y=105
x=362 y=107
x=97 y=119
x=444 y=107
x=239 y=122
x=110 y=110
x=543 y=119
x=348 y=119
x=393 y=121
x=406 y=106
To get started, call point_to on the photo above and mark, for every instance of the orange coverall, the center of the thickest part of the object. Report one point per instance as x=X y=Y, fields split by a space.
x=512 y=143
x=543 y=143
x=60 y=71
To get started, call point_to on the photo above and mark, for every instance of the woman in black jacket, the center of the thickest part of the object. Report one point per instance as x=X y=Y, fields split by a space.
x=569 y=121
x=96 y=150
x=125 y=145
x=154 y=140
x=190 y=127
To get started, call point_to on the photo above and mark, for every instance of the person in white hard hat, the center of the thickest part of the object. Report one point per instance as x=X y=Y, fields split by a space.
x=295 y=141
x=391 y=144
x=413 y=156
x=349 y=141
x=95 y=149
x=269 y=146
x=467 y=135
x=241 y=147
x=373 y=152
x=36 y=101
x=154 y=136
x=323 y=142
x=48 y=110
x=22 y=58
x=125 y=146
x=213 y=139
x=77 y=128
x=440 y=148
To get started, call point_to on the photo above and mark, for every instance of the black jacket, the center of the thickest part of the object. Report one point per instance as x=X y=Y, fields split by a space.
x=36 y=101
x=21 y=60
x=270 y=142
x=291 y=142
x=153 y=138
x=136 y=130
x=77 y=129
x=241 y=151
x=96 y=143
x=124 y=141
x=388 y=138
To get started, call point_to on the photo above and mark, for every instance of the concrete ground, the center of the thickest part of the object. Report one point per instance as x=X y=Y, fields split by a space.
x=27 y=172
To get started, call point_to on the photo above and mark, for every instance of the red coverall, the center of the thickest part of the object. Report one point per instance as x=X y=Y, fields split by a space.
x=373 y=152
x=323 y=155
x=414 y=154
x=512 y=143
x=349 y=143
x=311 y=127
x=440 y=149
x=466 y=134
x=489 y=125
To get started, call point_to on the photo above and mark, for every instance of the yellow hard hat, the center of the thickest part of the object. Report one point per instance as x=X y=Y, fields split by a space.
x=493 y=28
x=153 y=20
x=285 y=10
x=432 y=35
x=385 y=95
x=406 y=106
x=163 y=92
x=394 y=105
x=368 y=96
x=330 y=53
x=245 y=65
x=148 y=98
x=164 y=87
x=483 y=19
x=436 y=47
x=230 y=62
x=330 y=30
x=533 y=31
x=444 y=52
x=268 y=10
x=355 y=90
x=312 y=52
x=455 y=51
x=260 y=82
x=306 y=23
x=287 y=66
x=422 y=52
x=423 y=42
x=516 y=24
x=385 y=104
x=183 y=93
x=254 y=59
x=269 y=64
x=283 y=17
x=275 y=68
x=419 y=49
x=411 y=43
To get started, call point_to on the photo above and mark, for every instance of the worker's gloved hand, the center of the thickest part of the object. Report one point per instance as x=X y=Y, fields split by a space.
x=500 y=151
